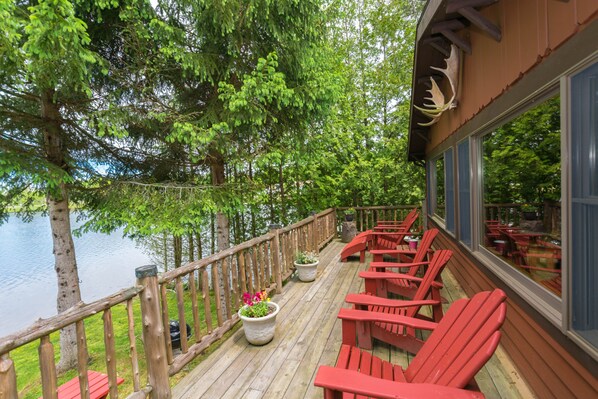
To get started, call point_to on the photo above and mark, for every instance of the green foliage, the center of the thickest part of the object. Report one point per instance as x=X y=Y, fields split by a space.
x=256 y=305
x=306 y=258
x=304 y=103
x=522 y=157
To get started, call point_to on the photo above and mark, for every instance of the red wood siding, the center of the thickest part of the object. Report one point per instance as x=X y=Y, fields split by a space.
x=550 y=370
x=531 y=30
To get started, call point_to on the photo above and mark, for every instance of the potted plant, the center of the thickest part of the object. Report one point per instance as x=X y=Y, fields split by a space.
x=349 y=214
x=259 y=317
x=306 y=264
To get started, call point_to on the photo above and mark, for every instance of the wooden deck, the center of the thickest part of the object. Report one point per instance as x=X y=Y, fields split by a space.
x=308 y=334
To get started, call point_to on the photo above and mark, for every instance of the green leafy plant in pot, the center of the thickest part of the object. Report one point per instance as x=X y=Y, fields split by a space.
x=306 y=264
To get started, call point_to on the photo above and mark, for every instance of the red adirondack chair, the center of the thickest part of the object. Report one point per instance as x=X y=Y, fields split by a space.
x=392 y=333
x=457 y=349
x=413 y=264
x=370 y=239
x=392 y=239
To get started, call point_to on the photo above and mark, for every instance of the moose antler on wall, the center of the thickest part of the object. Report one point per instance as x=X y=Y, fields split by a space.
x=438 y=105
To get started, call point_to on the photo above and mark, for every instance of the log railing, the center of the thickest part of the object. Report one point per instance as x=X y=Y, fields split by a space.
x=366 y=217
x=41 y=330
x=205 y=294
x=216 y=284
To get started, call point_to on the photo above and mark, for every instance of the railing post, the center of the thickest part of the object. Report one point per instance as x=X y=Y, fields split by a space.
x=8 y=378
x=276 y=257
x=314 y=234
x=153 y=332
x=47 y=368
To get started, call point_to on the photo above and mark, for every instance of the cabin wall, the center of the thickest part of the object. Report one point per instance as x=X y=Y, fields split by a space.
x=531 y=30
x=552 y=366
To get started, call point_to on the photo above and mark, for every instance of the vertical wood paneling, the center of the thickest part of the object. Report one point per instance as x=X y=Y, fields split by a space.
x=562 y=22
x=531 y=30
x=585 y=9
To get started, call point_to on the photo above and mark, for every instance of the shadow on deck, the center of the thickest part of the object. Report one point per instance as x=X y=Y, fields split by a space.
x=308 y=334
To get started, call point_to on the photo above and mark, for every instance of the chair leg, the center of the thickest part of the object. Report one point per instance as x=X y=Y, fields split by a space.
x=437 y=309
x=349 y=332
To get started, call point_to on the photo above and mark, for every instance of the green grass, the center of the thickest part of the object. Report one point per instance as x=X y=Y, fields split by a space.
x=27 y=362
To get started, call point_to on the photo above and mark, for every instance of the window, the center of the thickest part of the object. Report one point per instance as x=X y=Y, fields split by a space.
x=463 y=174
x=584 y=204
x=450 y=190
x=521 y=174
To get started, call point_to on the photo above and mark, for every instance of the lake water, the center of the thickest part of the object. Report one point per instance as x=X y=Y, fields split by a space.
x=28 y=289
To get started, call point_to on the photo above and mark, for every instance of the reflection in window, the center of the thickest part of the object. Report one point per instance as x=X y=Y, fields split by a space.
x=449 y=188
x=464 y=192
x=522 y=191
x=439 y=208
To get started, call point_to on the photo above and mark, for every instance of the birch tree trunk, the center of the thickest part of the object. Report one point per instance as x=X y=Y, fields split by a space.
x=65 y=263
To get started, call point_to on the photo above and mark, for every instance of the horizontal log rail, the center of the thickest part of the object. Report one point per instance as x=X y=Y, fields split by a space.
x=205 y=294
x=44 y=327
x=366 y=217
x=76 y=315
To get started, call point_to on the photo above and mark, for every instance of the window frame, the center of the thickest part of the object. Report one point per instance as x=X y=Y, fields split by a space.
x=460 y=225
x=545 y=302
x=567 y=123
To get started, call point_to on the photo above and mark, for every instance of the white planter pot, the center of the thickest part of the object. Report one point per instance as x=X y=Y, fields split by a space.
x=260 y=330
x=307 y=272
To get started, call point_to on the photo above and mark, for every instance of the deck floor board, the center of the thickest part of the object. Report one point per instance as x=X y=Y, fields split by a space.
x=308 y=334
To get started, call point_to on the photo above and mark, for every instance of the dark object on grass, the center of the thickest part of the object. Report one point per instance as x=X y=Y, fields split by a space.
x=175 y=333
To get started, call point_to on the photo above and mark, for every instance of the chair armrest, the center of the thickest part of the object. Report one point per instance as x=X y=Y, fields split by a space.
x=390 y=233
x=389 y=227
x=380 y=317
x=338 y=379
x=382 y=265
x=392 y=252
x=388 y=276
x=365 y=300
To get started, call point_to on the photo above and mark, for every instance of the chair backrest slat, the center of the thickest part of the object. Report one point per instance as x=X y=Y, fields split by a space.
x=422 y=250
x=437 y=264
x=464 y=340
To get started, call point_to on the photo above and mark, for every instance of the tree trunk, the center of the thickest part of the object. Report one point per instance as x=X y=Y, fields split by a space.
x=212 y=233
x=177 y=243
x=165 y=250
x=283 y=206
x=251 y=208
x=222 y=222
x=191 y=251
x=65 y=263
